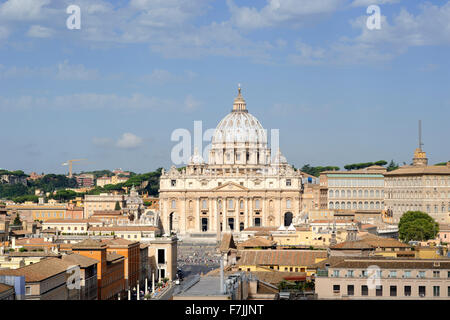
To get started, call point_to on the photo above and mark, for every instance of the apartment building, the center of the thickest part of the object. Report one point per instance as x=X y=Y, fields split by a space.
x=46 y=280
x=129 y=232
x=383 y=278
x=102 y=202
x=130 y=250
x=88 y=274
x=110 y=268
x=40 y=212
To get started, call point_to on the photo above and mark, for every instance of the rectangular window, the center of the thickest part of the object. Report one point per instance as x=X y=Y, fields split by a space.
x=421 y=274
x=336 y=288
x=288 y=182
x=173 y=183
x=436 y=291
x=393 y=274
x=407 y=291
x=257 y=204
x=350 y=290
x=230 y=204
x=27 y=291
x=288 y=203
x=448 y=291
x=336 y=273
x=379 y=291
x=161 y=256
x=407 y=274
x=364 y=290
x=436 y=274
x=393 y=291
x=204 y=204
x=350 y=273
x=422 y=291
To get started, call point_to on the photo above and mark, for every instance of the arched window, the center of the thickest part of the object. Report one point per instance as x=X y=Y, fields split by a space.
x=173 y=204
x=331 y=193
x=288 y=203
x=331 y=205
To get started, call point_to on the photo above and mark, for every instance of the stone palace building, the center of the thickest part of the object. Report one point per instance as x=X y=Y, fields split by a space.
x=242 y=184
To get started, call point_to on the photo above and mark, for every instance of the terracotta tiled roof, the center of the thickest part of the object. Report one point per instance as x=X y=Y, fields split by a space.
x=108 y=213
x=39 y=271
x=369 y=241
x=88 y=243
x=394 y=263
x=33 y=241
x=79 y=259
x=280 y=257
x=4 y=287
x=256 y=242
x=260 y=229
x=32 y=254
x=119 y=242
x=69 y=221
x=124 y=228
x=418 y=170
x=112 y=256
x=227 y=242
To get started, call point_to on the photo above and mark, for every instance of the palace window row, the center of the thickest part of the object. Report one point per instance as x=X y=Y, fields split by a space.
x=356 y=193
x=366 y=205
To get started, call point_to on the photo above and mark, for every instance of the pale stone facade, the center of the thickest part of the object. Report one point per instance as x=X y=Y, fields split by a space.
x=356 y=189
x=419 y=187
x=241 y=186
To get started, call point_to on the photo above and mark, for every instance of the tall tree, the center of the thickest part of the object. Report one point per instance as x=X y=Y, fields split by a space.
x=417 y=226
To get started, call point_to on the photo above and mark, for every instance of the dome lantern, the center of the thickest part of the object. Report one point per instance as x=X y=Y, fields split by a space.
x=239 y=102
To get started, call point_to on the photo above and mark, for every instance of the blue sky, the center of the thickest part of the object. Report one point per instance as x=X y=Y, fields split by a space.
x=114 y=91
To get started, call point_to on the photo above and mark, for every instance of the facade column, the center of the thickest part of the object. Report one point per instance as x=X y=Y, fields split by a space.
x=263 y=212
x=198 y=225
x=224 y=214
x=280 y=214
x=236 y=214
x=246 y=221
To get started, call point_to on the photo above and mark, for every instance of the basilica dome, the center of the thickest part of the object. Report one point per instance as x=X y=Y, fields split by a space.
x=239 y=126
x=239 y=138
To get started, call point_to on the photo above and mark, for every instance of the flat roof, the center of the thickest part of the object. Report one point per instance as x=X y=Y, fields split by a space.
x=206 y=286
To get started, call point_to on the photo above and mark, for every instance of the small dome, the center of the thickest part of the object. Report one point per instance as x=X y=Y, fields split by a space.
x=196 y=158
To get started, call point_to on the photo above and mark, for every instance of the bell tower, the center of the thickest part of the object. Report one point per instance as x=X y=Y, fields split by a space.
x=420 y=157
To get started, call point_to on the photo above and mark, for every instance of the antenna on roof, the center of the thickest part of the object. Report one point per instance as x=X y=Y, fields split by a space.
x=420 y=135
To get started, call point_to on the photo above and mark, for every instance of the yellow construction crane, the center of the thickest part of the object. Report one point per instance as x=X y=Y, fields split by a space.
x=69 y=163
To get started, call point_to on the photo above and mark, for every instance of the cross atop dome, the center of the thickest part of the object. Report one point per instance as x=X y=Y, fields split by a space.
x=239 y=103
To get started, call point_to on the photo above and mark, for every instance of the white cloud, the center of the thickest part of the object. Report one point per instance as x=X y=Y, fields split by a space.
x=90 y=101
x=37 y=31
x=366 y=3
x=65 y=71
x=23 y=10
x=129 y=141
x=276 y=12
x=307 y=55
x=61 y=71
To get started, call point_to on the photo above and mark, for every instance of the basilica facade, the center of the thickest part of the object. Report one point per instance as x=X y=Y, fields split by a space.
x=240 y=185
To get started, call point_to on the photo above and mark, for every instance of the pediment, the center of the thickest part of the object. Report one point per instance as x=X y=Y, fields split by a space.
x=230 y=186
